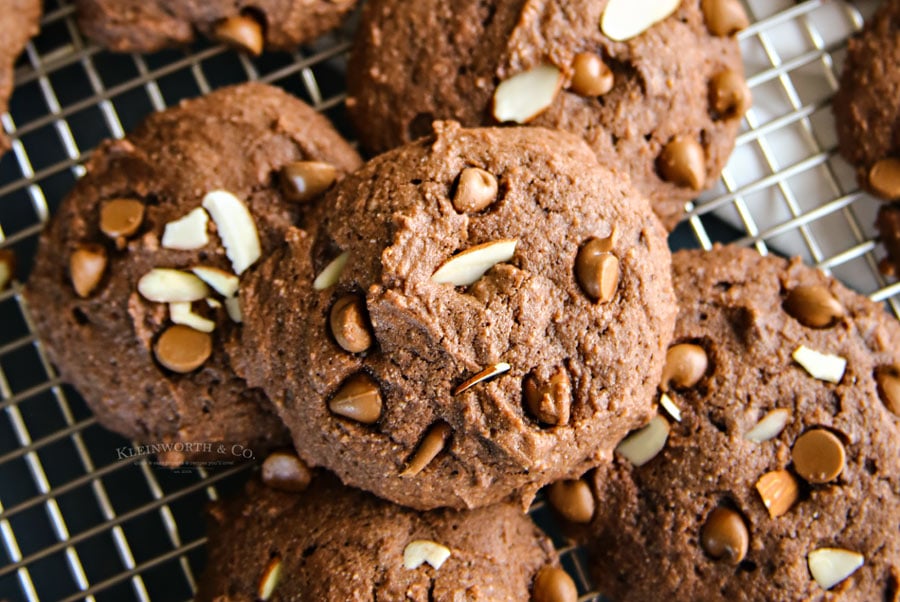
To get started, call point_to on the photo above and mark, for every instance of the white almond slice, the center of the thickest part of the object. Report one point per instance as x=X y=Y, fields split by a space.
x=221 y=281
x=830 y=566
x=422 y=550
x=233 y=307
x=187 y=233
x=213 y=303
x=181 y=313
x=332 y=273
x=625 y=19
x=164 y=285
x=268 y=581
x=642 y=446
x=236 y=228
x=769 y=427
x=669 y=406
x=526 y=95
x=822 y=366
x=467 y=267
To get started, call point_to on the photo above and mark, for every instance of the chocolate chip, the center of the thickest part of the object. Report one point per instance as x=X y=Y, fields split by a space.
x=888 y=378
x=285 y=471
x=475 y=190
x=573 y=499
x=553 y=585
x=303 y=181
x=358 y=399
x=242 y=32
x=729 y=95
x=884 y=178
x=778 y=490
x=590 y=75
x=86 y=267
x=182 y=349
x=724 y=535
x=349 y=324
x=686 y=364
x=813 y=306
x=432 y=444
x=819 y=456
x=120 y=218
x=724 y=17
x=597 y=270
x=683 y=163
x=549 y=401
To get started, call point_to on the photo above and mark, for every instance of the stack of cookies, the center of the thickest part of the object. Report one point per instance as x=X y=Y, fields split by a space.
x=420 y=343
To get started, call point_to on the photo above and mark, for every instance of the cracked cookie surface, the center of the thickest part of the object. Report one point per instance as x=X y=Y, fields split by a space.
x=332 y=542
x=782 y=457
x=675 y=86
x=144 y=377
x=497 y=318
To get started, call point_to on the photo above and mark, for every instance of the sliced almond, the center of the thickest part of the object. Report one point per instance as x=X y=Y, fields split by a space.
x=526 y=95
x=822 y=366
x=332 y=272
x=625 y=19
x=164 y=285
x=486 y=374
x=236 y=228
x=467 y=267
x=181 y=313
x=268 y=581
x=778 y=490
x=830 y=566
x=422 y=550
x=669 y=406
x=642 y=446
x=769 y=427
x=187 y=233
x=233 y=307
x=221 y=281
x=213 y=303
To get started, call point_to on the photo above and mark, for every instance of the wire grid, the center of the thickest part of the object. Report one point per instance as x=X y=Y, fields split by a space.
x=79 y=523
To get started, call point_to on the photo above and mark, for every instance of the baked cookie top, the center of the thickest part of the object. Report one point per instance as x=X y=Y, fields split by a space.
x=865 y=111
x=150 y=25
x=332 y=542
x=20 y=22
x=777 y=475
x=464 y=319
x=657 y=93
x=134 y=283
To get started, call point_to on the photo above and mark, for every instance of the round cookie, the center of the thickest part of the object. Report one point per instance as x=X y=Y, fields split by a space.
x=144 y=204
x=663 y=106
x=410 y=376
x=20 y=22
x=773 y=484
x=150 y=25
x=865 y=112
x=888 y=226
x=331 y=542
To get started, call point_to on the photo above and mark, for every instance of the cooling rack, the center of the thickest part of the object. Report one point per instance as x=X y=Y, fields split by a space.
x=81 y=521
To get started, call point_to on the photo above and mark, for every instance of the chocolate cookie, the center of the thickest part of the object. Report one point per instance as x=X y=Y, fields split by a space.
x=150 y=25
x=465 y=319
x=20 y=22
x=867 y=116
x=134 y=284
x=336 y=543
x=772 y=471
x=865 y=112
x=662 y=104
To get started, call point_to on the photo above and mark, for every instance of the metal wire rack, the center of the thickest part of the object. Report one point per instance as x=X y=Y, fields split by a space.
x=79 y=523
